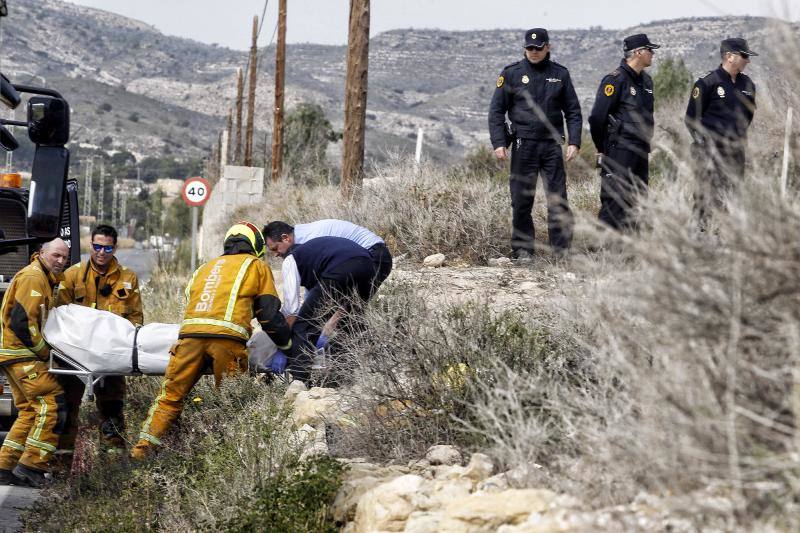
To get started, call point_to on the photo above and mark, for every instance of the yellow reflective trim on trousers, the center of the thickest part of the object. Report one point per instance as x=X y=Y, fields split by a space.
x=16 y=351
x=14 y=445
x=39 y=346
x=162 y=394
x=213 y=322
x=37 y=433
x=41 y=445
x=149 y=438
x=235 y=289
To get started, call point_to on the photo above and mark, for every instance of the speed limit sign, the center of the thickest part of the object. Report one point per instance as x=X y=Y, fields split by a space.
x=196 y=191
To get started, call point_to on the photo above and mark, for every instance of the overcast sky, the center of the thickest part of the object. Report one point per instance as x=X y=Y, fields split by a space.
x=228 y=22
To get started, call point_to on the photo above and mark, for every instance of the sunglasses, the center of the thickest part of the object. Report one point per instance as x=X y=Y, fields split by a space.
x=532 y=48
x=107 y=248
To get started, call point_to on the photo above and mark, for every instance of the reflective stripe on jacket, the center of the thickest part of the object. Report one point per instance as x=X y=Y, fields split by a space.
x=21 y=320
x=84 y=285
x=221 y=296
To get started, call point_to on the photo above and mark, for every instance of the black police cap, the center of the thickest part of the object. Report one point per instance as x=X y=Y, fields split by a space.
x=736 y=45
x=536 y=37
x=639 y=40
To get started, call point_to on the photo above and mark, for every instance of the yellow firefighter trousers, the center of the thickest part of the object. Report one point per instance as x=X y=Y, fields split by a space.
x=190 y=357
x=42 y=414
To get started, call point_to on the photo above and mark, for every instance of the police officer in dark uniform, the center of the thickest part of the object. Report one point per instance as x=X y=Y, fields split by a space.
x=537 y=94
x=720 y=110
x=621 y=124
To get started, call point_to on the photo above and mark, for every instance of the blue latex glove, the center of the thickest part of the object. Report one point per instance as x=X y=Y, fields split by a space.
x=278 y=363
x=322 y=341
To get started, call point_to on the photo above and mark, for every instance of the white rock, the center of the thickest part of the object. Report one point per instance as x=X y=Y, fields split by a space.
x=316 y=406
x=433 y=261
x=423 y=522
x=479 y=468
x=442 y=454
x=500 y=262
x=387 y=506
x=489 y=511
x=294 y=388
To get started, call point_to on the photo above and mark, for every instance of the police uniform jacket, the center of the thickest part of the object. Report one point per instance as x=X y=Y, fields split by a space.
x=28 y=296
x=225 y=294
x=623 y=110
x=116 y=290
x=721 y=108
x=522 y=87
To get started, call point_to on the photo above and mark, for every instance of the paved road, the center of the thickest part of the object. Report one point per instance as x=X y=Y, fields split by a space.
x=12 y=499
x=140 y=261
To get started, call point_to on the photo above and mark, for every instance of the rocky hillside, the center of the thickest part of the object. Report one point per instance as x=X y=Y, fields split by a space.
x=154 y=94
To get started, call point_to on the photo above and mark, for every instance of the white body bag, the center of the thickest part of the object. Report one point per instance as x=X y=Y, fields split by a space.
x=101 y=342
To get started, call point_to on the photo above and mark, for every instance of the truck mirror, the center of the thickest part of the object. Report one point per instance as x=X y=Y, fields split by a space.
x=48 y=121
x=7 y=139
x=8 y=94
x=46 y=197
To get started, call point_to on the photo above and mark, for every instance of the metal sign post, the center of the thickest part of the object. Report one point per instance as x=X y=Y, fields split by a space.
x=196 y=192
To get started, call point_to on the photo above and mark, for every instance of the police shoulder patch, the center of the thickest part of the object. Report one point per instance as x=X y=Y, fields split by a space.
x=696 y=92
x=608 y=90
x=500 y=81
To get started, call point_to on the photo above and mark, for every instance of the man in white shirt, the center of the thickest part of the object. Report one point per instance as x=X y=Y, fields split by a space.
x=281 y=237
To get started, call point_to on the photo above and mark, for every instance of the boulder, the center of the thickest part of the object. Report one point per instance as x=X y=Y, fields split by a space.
x=423 y=522
x=433 y=261
x=388 y=506
x=480 y=467
x=442 y=454
x=316 y=406
x=500 y=262
x=489 y=511
x=294 y=388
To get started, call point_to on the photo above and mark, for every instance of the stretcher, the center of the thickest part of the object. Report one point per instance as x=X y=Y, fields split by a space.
x=92 y=344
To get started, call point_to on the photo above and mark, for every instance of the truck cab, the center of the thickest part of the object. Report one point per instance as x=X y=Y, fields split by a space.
x=48 y=207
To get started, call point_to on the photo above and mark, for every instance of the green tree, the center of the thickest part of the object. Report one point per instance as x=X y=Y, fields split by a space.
x=307 y=133
x=671 y=81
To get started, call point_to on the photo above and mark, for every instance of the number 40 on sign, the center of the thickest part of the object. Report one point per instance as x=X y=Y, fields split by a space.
x=196 y=191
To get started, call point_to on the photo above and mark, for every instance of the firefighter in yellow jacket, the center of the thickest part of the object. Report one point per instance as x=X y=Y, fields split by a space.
x=100 y=283
x=31 y=443
x=223 y=297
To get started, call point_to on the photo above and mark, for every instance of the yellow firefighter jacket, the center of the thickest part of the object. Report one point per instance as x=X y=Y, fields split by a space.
x=221 y=297
x=116 y=291
x=23 y=313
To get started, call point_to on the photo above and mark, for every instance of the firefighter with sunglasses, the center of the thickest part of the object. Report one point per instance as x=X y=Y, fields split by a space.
x=100 y=283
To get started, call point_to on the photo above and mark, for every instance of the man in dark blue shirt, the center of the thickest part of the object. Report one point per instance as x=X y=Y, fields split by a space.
x=721 y=108
x=537 y=95
x=622 y=129
x=337 y=273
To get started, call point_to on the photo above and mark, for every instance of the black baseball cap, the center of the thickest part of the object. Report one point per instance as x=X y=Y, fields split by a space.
x=736 y=45
x=639 y=40
x=536 y=37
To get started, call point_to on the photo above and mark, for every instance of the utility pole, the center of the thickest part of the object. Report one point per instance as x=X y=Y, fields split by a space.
x=229 y=131
x=280 y=78
x=355 y=97
x=251 y=97
x=237 y=152
x=114 y=201
x=87 y=186
x=101 y=193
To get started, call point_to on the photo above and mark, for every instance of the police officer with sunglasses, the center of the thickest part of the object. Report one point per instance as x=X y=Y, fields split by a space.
x=100 y=283
x=537 y=95
x=721 y=107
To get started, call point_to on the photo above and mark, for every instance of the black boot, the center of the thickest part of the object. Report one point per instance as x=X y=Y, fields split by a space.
x=8 y=478
x=31 y=477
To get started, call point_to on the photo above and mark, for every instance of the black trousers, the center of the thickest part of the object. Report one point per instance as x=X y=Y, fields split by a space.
x=719 y=169
x=382 y=260
x=346 y=286
x=529 y=158
x=624 y=178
